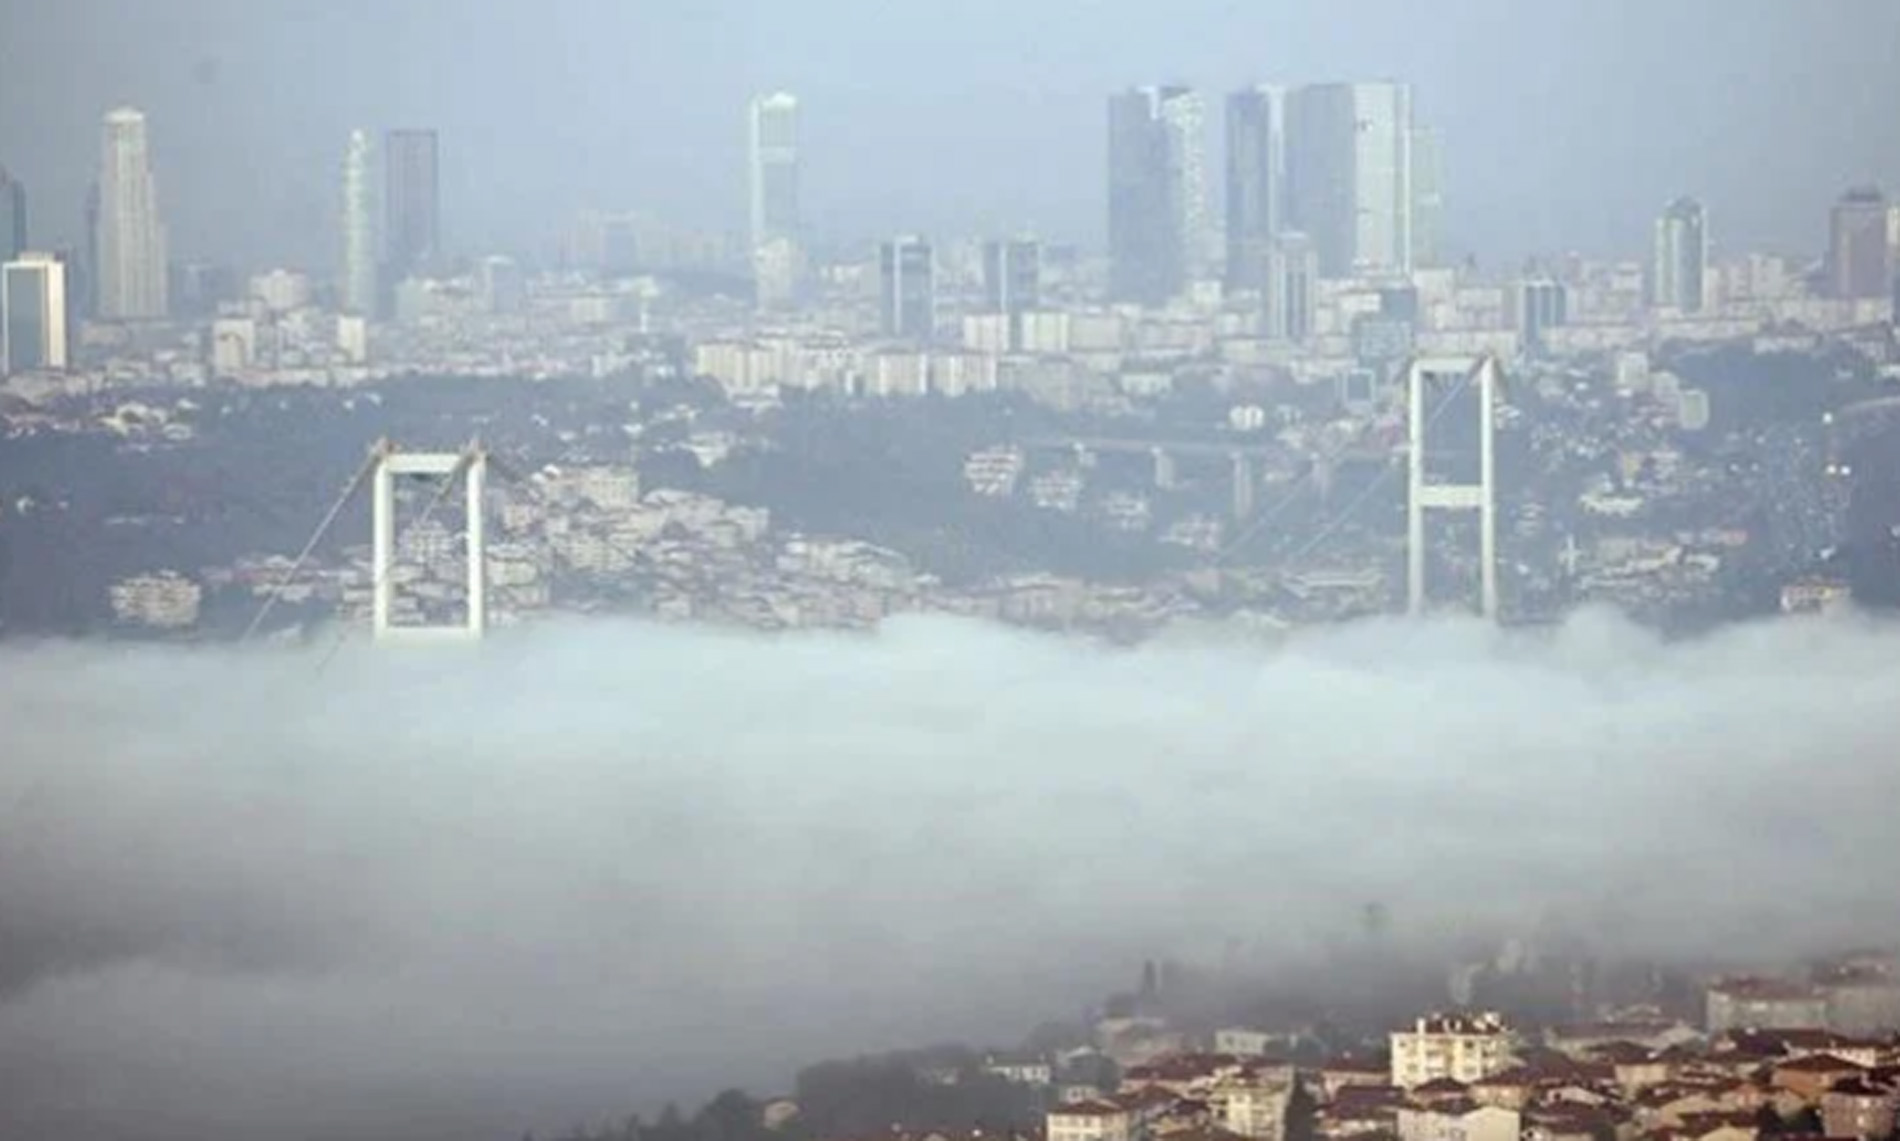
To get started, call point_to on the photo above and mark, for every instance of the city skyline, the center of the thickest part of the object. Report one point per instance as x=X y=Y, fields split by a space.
x=1594 y=194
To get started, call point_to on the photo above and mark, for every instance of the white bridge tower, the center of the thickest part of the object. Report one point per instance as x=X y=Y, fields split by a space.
x=468 y=467
x=1423 y=495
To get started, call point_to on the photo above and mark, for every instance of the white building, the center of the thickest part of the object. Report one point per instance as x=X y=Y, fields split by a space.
x=1462 y=1047
x=1254 y=1108
x=1091 y=1121
x=356 y=288
x=1463 y=1123
x=131 y=282
x=1349 y=166
x=32 y=314
x=166 y=601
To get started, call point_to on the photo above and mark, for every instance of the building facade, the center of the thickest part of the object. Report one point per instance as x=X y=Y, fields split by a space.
x=1292 y=288
x=356 y=287
x=12 y=217
x=1349 y=175
x=1859 y=258
x=1462 y=1047
x=33 y=333
x=132 y=249
x=1157 y=193
x=907 y=289
x=1256 y=169
x=412 y=203
x=772 y=168
x=1680 y=261
x=1012 y=284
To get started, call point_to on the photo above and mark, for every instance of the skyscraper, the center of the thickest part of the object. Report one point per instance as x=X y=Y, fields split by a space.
x=131 y=283
x=772 y=168
x=1292 y=281
x=1428 y=198
x=1157 y=193
x=1012 y=282
x=772 y=189
x=412 y=203
x=907 y=277
x=12 y=217
x=356 y=287
x=1349 y=175
x=1681 y=259
x=32 y=313
x=1859 y=260
x=1256 y=166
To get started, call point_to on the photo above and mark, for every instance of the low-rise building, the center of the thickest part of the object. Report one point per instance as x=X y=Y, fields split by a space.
x=1463 y=1047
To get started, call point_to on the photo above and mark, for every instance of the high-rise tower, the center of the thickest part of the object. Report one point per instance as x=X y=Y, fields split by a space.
x=412 y=203
x=772 y=218
x=1256 y=166
x=1157 y=193
x=907 y=278
x=12 y=217
x=32 y=313
x=772 y=168
x=1681 y=258
x=131 y=284
x=1859 y=260
x=1349 y=175
x=356 y=285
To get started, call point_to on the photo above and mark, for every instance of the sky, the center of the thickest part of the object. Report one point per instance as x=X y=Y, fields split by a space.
x=583 y=867
x=1567 y=123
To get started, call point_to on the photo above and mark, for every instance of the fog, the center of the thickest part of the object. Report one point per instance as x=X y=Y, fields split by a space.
x=580 y=868
x=1567 y=125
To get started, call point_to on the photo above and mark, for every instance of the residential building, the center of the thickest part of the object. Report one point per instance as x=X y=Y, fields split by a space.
x=1459 y=1121
x=907 y=281
x=33 y=314
x=1090 y=1121
x=1253 y=1106
x=132 y=249
x=1859 y=259
x=1857 y=1107
x=1680 y=259
x=1462 y=1047
x=1764 y=1004
x=1349 y=175
x=1157 y=194
x=1256 y=168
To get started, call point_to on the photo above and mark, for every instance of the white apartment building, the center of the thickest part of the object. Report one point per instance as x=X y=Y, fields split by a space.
x=1463 y=1047
x=1091 y=1121
x=1473 y=1123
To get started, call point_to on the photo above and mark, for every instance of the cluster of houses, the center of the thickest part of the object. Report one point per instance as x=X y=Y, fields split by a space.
x=1813 y=1059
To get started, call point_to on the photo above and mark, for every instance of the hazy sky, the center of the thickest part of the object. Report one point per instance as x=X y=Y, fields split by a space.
x=590 y=865
x=1568 y=122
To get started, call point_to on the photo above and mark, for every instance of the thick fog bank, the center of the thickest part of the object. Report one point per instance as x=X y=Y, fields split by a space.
x=598 y=864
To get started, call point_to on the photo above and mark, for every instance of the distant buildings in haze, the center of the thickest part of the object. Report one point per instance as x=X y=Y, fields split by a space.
x=907 y=281
x=132 y=248
x=1157 y=193
x=412 y=203
x=12 y=216
x=356 y=290
x=1680 y=260
x=33 y=313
